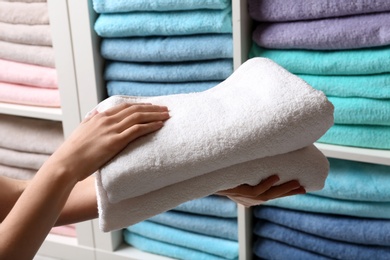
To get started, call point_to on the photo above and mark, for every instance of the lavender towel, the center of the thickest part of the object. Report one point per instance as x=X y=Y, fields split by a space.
x=147 y=89
x=26 y=34
x=168 y=49
x=352 y=32
x=212 y=70
x=164 y=23
x=366 y=86
x=343 y=62
x=293 y=10
x=108 y=6
x=24 y=13
x=326 y=247
x=364 y=231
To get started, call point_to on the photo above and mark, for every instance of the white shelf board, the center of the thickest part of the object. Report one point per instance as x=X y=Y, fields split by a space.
x=32 y=111
x=375 y=156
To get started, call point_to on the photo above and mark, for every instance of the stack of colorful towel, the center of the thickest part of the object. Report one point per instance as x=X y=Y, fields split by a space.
x=205 y=228
x=340 y=48
x=27 y=69
x=162 y=47
x=348 y=219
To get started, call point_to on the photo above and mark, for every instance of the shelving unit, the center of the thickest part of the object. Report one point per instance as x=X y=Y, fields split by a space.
x=80 y=69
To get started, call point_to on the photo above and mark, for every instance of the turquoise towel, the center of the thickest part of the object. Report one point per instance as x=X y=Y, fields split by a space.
x=168 y=49
x=351 y=180
x=146 y=89
x=368 y=86
x=367 y=136
x=312 y=203
x=165 y=249
x=213 y=70
x=164 y=23
x=109 y=6
x=342 y=62
x=211 y=245
x=214 y=205
x=226 y=228
x=361 y=111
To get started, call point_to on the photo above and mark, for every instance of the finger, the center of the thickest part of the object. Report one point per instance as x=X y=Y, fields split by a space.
x=300 y=190
x=265 y=185
x=139 y=130
x=141 y=118
x=91 y=114
x=134 y=109
x=120 y=107
x=279 y=190
x=252 y=191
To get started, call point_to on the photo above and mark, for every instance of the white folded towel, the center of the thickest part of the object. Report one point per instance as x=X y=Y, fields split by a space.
x=308 y=165
x=260 y=110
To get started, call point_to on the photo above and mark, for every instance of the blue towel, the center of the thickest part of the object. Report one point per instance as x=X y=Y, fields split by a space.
x=213 y=70
x=109 y=6
x=165 y=249
x=361 y=111
x=214 y=205
x=364 y=231
x=312 y=203
x=168 y=49
x=212 y=226
x=145 y=89
x=356 y=181
x=164 y=23
x=326 y=247
x=211 y=245
x=368 y=86
x=342 y=62
x=367 y=136
x=271 y=249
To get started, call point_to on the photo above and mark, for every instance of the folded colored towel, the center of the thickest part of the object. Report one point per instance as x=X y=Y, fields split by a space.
x=67 y=230
x=313 y=203
x=31 y=54
x=146 y=89
x=30 y=134
x=27 y=74
x=327 y=247
x=226 y=228
x=364 y=231
x=261 y=110
x=16 y=172
x=361 y=111
x=20 y=159
x=368 y=136
x=212 y=70
x=26 y=1
x=270 y=249
x=26 y=34
x=164 y=23
x=168 y=49
x=106 y=6
x=300 y=164
x=24 y=95
x=211 y=245
x=342 y=62
x=210 y=206
x=352 y=32
x=166 y=249
x=281 y=10
x=24 y=13
x=368 y=86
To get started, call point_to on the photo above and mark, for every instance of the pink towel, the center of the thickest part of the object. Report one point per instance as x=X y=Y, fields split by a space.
x=67 y=230
x=23 y=95
x=27 y=74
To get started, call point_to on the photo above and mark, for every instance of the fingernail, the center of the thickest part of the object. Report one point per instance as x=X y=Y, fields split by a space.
x=302 y=190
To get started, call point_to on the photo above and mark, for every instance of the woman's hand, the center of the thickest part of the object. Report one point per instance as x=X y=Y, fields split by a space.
x=254 y=195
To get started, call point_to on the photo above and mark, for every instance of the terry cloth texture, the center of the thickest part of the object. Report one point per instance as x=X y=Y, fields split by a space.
x=16 y=172
x=293 y=10
x=368 y=86
x=298 y=118
x=26 y=34
x=341 y=62
x=352 y=32
x=22 y=159
x=364 y=231
x=164 y=23
x=27 y=74
x=148 y=89
x=168 y=49
x=24 y=13
x=107 y=6
x=212 y=70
